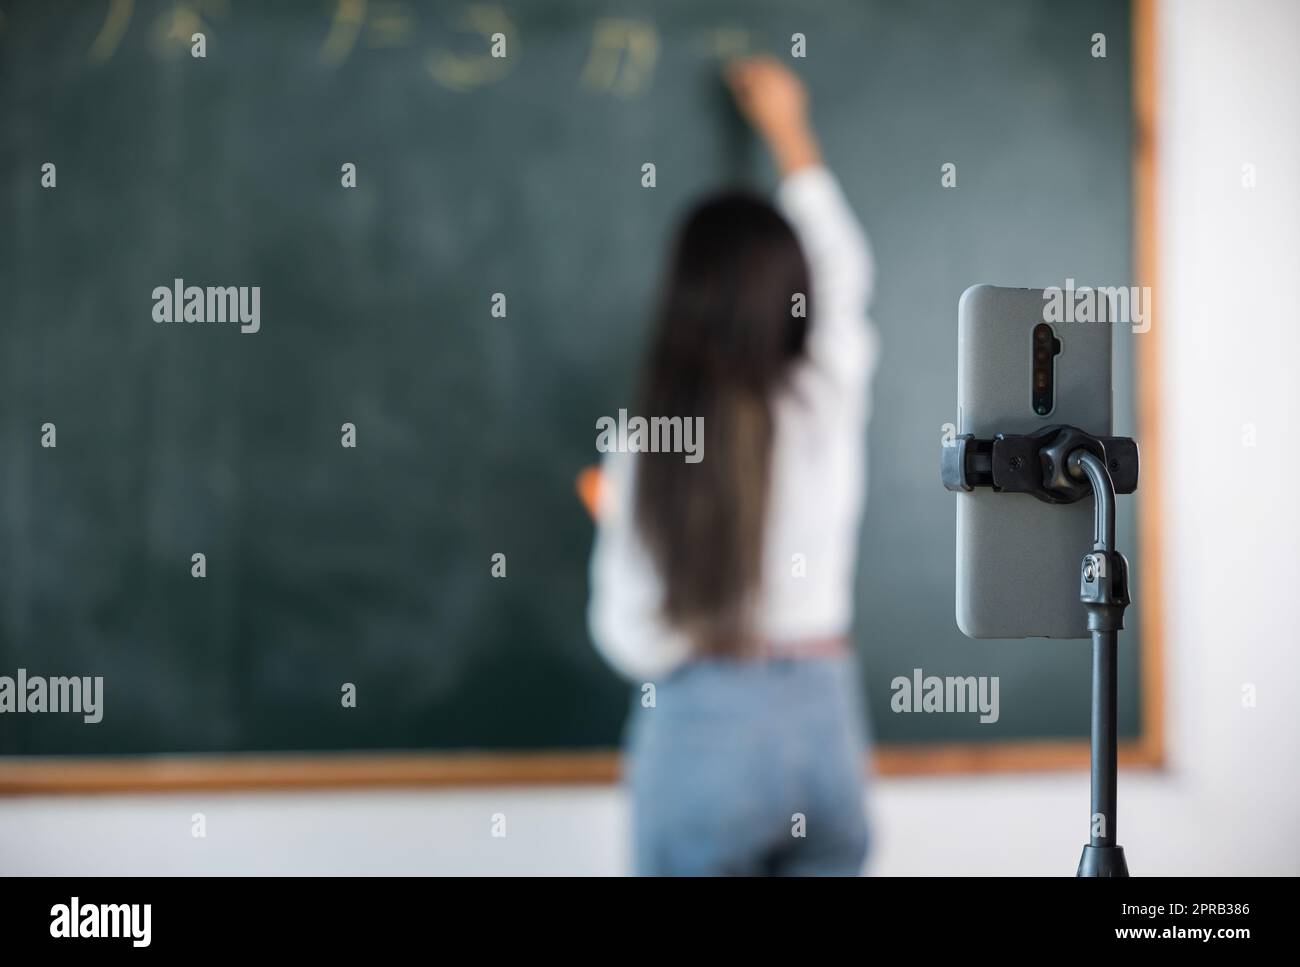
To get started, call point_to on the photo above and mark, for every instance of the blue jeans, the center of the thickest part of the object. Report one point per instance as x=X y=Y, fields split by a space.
x=750 y=768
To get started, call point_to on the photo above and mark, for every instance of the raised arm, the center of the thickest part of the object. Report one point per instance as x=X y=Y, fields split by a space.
x=775 y=102
x=842 y=343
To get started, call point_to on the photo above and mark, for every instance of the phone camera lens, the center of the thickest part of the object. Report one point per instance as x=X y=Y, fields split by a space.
x=1044 y=345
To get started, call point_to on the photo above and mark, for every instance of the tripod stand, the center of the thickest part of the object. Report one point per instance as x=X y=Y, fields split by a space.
x=1060 y=465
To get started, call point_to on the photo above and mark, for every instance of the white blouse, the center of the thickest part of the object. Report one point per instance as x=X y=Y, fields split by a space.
x=818 y=484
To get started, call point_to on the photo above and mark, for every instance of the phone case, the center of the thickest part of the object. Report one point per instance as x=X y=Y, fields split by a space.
x=1018 y=558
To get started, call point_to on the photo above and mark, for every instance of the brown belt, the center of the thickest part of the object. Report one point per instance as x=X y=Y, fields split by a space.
x=830 y=646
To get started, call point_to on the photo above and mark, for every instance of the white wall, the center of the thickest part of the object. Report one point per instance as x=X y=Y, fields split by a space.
x=1230 y=801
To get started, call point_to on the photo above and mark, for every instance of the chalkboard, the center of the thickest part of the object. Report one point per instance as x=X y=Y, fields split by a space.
x=475 y=176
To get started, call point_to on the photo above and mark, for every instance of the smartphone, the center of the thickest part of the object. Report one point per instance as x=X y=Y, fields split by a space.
x=1017 y=372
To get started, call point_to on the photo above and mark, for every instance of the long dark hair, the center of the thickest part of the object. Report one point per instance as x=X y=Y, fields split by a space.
x=729 y=325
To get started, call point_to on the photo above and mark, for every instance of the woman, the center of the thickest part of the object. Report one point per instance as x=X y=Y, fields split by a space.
x=727 y=584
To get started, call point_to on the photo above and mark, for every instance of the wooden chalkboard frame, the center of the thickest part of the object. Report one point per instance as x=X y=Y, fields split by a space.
x=79 y=775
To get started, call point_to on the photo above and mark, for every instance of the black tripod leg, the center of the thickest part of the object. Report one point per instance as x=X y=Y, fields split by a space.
x=1104 y=592
x=1105 y=746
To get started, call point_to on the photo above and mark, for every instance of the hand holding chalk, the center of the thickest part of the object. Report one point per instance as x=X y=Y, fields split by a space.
x=774 y=100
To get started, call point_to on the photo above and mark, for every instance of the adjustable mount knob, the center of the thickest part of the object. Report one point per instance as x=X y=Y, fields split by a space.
x=1062 y=476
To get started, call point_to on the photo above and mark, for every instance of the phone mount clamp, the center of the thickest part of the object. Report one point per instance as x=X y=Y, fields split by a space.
x=1061 y=465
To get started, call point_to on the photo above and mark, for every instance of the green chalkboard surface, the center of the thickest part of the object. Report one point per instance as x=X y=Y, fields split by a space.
x=474 y=176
